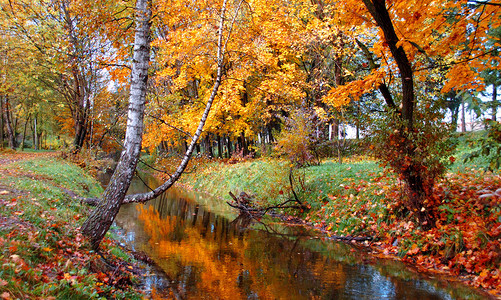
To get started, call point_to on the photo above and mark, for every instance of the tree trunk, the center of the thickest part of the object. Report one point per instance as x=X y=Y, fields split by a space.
x=229 y=146
x=24 y=132
x=463 y=115
x=11 y=135
x=244 y=145
x=198 y=148
x=35 y=134
x=494 y=103
x=100 y=220
x=1 y=127
x=208 y=146
x=219 y=146
x=377 y=8
x=80 y=128
x=413 y=173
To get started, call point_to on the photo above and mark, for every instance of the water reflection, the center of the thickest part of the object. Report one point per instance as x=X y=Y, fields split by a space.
x=206 y=256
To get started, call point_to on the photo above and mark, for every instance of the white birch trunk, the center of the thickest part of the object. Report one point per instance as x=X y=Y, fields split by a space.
x=96 y=226
x=100 y=220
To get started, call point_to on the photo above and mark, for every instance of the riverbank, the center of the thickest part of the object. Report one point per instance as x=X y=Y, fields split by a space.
x=43 y=255
x=359 y=198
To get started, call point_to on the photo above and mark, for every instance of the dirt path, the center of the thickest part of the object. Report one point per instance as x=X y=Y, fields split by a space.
x=8 y=157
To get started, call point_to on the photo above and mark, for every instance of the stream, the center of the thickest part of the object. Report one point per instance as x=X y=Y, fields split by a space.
x=205 y=252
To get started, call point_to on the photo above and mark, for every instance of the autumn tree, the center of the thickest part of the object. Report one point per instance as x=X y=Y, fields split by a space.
x=98 y=223
x=416 y=38
x=66 y=41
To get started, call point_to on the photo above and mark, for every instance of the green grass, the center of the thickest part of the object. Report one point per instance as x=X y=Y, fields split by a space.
x=62 y=174
x=347 y=198
x=42 y=252
x=262 y=178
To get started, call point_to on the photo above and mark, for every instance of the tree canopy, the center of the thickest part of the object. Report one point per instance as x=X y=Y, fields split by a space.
x=391 y=67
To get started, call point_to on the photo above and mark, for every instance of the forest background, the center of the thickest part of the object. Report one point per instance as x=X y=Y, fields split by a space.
x=295 y=75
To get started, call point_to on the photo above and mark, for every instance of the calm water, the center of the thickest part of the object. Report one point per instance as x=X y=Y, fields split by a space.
x=206 y=252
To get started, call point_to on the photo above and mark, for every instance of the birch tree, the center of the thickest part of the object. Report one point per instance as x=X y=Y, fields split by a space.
x=100 y=220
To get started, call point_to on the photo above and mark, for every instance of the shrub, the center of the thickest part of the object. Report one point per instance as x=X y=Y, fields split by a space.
x=418 y=155
x=490 y=146
x=298 y=141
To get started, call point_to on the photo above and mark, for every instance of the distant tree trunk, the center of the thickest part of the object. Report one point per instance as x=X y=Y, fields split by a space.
x=1 y=127
x=243 y=144
x=8 y=122
x=219 y=146
x=41 y=140
x=357 y=124
x=494 y=103
x=230 y=147
x=35 y=134
x=463 y=115
x=100 y=220
x=208 y=146
x=24 y=132
x=197 y=146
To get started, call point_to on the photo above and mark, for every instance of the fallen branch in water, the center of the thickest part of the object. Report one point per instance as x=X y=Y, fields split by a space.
x=244 y=203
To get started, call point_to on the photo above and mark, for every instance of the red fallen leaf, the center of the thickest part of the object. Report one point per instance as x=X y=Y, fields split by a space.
x=281 y=192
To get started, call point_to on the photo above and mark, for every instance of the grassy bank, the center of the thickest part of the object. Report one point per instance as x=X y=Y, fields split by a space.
x=363 y=199
x=43 y=255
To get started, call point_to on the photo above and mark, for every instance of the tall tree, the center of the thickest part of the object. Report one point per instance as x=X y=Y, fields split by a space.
x=98 y=223
x=6 y=110
x=417 y=39
x=63 y=37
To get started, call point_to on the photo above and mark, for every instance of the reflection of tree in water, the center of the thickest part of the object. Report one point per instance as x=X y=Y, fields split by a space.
x=223 y=263
x=209 y=256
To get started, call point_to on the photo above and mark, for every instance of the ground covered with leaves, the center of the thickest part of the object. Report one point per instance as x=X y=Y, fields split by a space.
x=360 y=198
x=43 y=255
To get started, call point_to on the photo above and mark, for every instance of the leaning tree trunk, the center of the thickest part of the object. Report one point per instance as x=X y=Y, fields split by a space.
x=182 y=166
x=96 y=226
x=100 y=220
x=416 y=186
